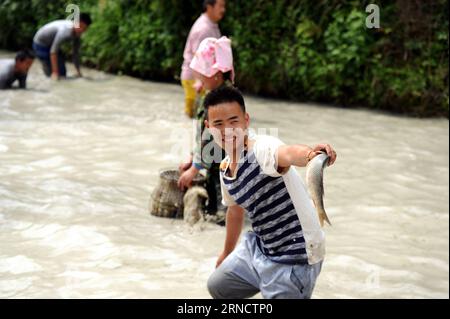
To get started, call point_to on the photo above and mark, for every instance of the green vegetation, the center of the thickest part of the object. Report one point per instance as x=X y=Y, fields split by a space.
x=304 y=50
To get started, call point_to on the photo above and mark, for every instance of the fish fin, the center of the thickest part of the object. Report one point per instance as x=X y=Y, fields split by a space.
x=319 y=214
x=323 y=217
x=314 y=202
x=321 y=220
x=327 y=220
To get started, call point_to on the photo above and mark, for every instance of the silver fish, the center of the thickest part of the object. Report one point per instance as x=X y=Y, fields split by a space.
x=314 y=180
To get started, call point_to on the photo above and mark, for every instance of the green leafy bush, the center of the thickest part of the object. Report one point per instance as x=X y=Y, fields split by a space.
x=304 y=50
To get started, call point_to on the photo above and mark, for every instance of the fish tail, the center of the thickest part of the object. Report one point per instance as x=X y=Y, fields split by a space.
x=323 y=217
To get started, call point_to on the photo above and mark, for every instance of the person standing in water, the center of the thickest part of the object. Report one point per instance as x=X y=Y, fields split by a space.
x=16 y=69
x=205 y=26
x=48 y=40
x=213 y=66
x=282 y=256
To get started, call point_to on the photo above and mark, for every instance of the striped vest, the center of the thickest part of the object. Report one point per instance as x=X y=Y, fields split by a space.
x=270 y=209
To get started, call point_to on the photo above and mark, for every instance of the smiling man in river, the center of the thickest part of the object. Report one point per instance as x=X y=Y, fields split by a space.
x=282 y=256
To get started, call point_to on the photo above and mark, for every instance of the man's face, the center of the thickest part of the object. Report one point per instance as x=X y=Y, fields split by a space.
x=24 y=66
x=218 y=10
x=228 y=125
x=81 y=29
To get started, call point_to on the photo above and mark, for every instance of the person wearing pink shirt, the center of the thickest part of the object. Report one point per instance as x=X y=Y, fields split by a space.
x=205 y=26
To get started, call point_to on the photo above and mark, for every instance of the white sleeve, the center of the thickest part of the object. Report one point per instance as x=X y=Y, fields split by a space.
x=265 y=149
x=227 y=200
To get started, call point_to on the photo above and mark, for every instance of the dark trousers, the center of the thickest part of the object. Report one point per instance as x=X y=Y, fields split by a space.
x=43 y=54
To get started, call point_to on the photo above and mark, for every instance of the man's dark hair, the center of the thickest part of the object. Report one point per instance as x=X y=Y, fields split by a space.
x=227 y=76
x=207 y=3
x=85 y=18
x=25 y=54
x=224 y=94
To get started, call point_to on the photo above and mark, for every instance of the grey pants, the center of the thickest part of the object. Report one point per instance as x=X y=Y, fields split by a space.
x=246 y=271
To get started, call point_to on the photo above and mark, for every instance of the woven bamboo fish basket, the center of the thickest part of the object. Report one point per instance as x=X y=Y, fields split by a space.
x=166 y=199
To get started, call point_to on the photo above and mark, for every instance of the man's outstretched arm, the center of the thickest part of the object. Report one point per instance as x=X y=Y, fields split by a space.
x=300 y=155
